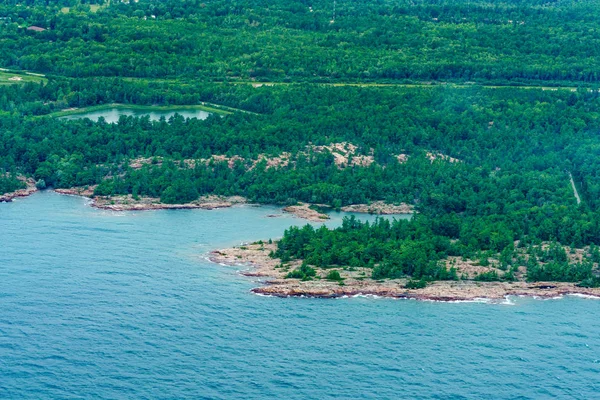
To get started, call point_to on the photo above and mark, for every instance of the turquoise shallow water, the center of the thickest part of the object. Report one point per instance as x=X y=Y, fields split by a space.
x=98 y=304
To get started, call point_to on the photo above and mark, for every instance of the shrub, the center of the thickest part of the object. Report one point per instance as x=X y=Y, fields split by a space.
x=589 y=283
x=489 y=276
x=333 y=275
x=40 y=184
x=305 y=273
x=414 y=284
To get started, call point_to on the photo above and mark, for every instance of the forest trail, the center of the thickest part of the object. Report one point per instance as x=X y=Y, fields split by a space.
x=428 y=84
x=574 y=189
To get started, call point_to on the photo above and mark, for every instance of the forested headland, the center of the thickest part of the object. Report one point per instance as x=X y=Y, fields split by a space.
x=487 y=168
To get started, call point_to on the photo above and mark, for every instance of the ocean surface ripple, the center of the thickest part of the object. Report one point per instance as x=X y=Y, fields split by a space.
x=97 y=304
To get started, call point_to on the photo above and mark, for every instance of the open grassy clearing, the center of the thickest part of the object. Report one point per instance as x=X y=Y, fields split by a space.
x=12 y=78
x=94 y=8
x=428 y=84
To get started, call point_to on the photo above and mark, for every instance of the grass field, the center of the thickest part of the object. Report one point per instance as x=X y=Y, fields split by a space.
x=13 y=78
x=93 y=8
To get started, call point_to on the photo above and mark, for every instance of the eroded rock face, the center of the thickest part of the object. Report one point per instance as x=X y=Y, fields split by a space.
x=345 y=154
x=255 y=257
x=87 y=191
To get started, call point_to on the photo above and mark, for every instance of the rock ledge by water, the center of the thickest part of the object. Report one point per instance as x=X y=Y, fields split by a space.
x=8 y=197
x=357 y=282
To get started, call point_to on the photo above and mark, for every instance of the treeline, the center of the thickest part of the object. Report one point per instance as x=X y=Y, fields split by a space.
x=32 y=99
x=391 y=249
x=418 y=249
x=507 y=42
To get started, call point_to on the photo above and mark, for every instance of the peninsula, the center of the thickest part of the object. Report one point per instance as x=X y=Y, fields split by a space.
x=373 y=111
x=338 y=282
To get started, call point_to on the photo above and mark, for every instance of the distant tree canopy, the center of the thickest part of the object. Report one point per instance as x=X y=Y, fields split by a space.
x=506 y=41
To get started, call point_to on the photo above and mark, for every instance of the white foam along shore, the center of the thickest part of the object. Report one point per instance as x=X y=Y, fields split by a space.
x=357 y=282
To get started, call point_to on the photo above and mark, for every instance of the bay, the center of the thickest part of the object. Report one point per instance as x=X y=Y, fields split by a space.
x=120 y=305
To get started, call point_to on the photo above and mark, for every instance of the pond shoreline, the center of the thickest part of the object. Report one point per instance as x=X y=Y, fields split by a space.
x=208 y=107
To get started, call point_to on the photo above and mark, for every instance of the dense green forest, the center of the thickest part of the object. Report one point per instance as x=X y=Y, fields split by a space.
x=505 y=41
x=484 y=166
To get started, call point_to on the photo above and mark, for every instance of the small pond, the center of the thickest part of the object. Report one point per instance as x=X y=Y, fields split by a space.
x=112 y=114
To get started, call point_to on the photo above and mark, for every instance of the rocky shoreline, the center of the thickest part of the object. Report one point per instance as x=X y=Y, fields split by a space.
x=129 y=203
x=210 y=202
x=255 y=257
x=30 y=189
x=303 y=210
x=357 y=282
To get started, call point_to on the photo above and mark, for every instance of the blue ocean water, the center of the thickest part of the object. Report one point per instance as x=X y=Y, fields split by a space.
x=122 y=305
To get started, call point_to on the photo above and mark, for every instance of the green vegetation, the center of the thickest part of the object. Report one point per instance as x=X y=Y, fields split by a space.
x=590 y=283
x=417 y=249
x=413 y=284
x=15 y=78
x=9 y=183
x=490 y=276
x=334 y=275
x=304 y=273
x=485 y=164
x=504 y=42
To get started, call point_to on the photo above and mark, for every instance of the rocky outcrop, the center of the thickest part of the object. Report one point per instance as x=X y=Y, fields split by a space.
x=438 y=291
x=258 y=263
x=380 y=207
x=303 y=210
x=130 y=203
